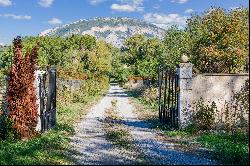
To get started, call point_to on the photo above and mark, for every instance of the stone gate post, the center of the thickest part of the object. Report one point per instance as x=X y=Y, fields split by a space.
x=184 y=73
x=38 y=74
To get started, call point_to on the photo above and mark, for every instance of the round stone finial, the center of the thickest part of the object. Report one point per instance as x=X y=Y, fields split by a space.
x=184 y=58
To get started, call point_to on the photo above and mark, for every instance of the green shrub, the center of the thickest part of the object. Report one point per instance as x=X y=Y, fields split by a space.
x=191 y=129
x=204 y=115
x=229 y=148
x=150 y=95
x=6 y=130
x=237 y=111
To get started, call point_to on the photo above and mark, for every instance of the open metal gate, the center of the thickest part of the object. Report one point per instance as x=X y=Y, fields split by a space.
x=168 y=97
x=47 y=96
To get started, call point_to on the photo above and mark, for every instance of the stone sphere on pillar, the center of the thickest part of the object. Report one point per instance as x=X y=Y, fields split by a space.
x=184 y=58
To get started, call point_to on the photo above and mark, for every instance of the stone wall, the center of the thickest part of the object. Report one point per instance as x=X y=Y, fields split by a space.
x=217 y=87
x=71 y=85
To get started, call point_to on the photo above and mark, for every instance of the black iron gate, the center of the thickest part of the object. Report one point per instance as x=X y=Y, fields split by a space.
x=168 y=97
x=47 y=95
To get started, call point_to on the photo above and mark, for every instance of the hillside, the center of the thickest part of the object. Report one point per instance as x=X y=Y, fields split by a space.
x=112 y=30
x=1 y=47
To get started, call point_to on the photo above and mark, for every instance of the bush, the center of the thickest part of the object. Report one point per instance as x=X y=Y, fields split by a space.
x=89 y=88
x=150 y=95
x=237 y=111
x=21 y=96
x=204 y=115
x=6 y=128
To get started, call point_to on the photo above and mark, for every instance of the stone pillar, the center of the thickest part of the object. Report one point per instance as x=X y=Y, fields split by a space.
x=184 y=72
x=38 y=74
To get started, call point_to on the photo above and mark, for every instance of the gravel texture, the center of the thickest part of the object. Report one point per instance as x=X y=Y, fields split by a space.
x=95 y=149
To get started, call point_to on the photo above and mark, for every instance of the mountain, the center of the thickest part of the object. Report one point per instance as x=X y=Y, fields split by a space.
x=1 y=46
x=112 y=29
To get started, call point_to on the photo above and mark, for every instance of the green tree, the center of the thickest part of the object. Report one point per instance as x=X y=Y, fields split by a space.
x=152 y=54
x=176 y=43
x=119 y=71
x=220 y=40
x=142 y=55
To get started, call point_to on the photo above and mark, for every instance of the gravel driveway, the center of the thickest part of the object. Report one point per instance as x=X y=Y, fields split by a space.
x=90 y=138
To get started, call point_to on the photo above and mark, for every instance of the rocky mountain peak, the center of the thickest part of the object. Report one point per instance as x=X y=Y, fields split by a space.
x=113 y=30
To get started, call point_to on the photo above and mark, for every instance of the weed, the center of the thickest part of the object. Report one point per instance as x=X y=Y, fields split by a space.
x=229 y=148
x=115 y=131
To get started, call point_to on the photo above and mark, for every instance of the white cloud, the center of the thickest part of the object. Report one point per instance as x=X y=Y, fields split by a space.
x=189 y=11
x=128 y=6
x=94 y=2
x=45 y=3
x=156 y=6
x=5 y=2
x=16 y=17
x=55 y=21
x=2 y=44
x=122 y=8
x=234 y=7
x=179 y=1
x=165 y=20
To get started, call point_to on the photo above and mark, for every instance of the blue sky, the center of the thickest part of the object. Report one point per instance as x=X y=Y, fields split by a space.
x=30 y=17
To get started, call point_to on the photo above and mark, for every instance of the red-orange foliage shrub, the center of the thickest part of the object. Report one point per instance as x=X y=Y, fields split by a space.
x=21 y=98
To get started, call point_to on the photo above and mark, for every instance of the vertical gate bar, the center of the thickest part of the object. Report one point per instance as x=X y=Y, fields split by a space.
x=159 y=95
x=175 y=98
x=164 y=102
x=169 y=80
x=172 y=100
x=41 y=100
x=45 y=112
x=53 y=86
x=48 y=121
x=177 y=102
x=44 y=121
x=52 y=97
x=167 y=93
x=49 y=98
x=162 y=106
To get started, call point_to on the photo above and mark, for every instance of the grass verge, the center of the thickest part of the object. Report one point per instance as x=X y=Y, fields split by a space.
x=228 y=148
x=52 y=147
x=145 y=110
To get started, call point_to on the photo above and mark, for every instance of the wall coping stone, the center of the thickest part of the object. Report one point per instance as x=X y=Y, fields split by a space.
x=224 y=74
